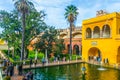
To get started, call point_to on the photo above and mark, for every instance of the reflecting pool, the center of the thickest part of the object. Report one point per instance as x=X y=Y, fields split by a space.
x=73 y=72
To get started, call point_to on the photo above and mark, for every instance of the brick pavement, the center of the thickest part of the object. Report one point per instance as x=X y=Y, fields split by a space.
x=16 y=76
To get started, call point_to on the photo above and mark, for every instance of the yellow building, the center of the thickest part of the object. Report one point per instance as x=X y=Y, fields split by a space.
x=3 y=45
x=101 y=37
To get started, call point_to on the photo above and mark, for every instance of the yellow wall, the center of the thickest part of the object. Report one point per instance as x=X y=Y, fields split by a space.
x=107 y=46
x=1 y=41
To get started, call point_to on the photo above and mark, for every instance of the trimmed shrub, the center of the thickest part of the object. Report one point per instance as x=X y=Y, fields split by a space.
x=79 y=57
x=40 y=55
x=74 y=57
x=31 y=55
x=51 y=59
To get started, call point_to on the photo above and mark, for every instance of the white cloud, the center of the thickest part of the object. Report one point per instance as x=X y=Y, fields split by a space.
x=113 y=7
x=6 y=5
x=54 y=10
x=89 y=12
x=85 y=13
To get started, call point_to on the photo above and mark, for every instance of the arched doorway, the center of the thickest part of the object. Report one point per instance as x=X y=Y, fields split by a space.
x=118 y=56
x=76 y=49
x=94 y=54
x=68 y=48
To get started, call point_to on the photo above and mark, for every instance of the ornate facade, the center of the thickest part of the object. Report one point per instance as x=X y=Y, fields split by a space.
x=76 y=39
x=101 y=38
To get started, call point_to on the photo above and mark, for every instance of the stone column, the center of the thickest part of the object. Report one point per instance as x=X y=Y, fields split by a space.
x=92 y=35
x=110 y=33
x=101 y=34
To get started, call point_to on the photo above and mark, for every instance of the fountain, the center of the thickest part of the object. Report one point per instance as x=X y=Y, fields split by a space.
x=101 y=68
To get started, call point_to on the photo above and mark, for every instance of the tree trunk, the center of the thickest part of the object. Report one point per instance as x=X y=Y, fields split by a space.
x=8 y=50
x=13 y=52
x=23 y=35
x=70 y=40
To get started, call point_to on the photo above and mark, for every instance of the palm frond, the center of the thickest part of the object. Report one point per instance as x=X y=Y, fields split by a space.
x=71 y=13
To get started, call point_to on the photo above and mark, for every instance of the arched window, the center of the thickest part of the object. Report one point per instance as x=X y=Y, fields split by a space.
x=88 y=33
x=68 y=48
x=106 y=31
x=76 y=50
x=96 y=32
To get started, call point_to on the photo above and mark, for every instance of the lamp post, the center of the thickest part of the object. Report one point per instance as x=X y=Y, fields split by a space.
x=46 y=58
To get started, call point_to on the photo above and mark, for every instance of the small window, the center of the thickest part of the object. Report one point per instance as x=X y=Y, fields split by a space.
x=88 y=33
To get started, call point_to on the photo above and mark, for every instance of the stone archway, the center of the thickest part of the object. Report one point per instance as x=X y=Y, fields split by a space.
x=68 y=48
x=118 y=56
x=76 y=50
x=94 y=54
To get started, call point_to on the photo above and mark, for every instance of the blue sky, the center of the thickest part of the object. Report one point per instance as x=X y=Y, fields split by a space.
x=55 y=9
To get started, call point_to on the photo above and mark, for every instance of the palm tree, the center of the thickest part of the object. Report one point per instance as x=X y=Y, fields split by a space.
x=71 y=16
x=23 y=6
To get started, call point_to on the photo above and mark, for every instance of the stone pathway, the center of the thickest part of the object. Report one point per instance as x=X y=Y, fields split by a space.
x=16 y=76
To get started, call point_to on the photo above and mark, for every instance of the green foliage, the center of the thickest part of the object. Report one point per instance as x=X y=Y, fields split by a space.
x=67 y=56
x=76 y=56
x=59 y=47
x=7 y=78
x=51 y=59
x=16 y=57
x=40 y=55
x=79 y=58
x=21 y=62
x=47 y=39
x=31 y=55
x=27 y=62
x=71 y=13
x=17 y=62
x=12 y=29
x=5 y=51
x=11 y=59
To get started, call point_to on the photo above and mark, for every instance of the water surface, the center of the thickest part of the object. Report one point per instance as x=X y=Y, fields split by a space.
x=73 y=72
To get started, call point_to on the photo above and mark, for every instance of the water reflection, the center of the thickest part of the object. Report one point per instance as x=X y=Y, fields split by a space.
x=73 y=72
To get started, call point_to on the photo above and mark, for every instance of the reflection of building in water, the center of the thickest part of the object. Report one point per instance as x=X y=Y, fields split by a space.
x=101 y=37
x=76 y=39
